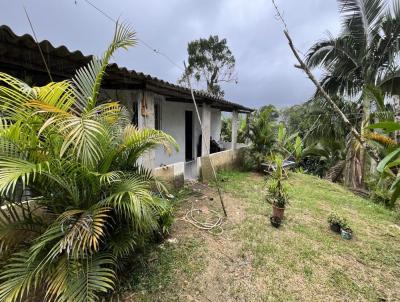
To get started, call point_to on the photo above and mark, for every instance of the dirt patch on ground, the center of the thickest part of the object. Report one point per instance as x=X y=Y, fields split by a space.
x=227 y=272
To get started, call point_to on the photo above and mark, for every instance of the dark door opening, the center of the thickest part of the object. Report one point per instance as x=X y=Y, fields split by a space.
x=188 y=135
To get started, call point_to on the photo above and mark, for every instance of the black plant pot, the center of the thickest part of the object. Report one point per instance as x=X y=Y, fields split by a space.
x=346 y=234
x=335 y=227
x=275 y=221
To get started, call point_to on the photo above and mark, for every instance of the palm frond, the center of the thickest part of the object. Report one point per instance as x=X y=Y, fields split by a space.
x=75 y=232
x=14 y=170
x=84 y=230
x=132 y=199
x=19 y=224
x=57 y=96
x=330 y=51
x=82 y=136
x=82 y=280
x=88 y=79
x=18 y=278
x=133 y=143
x=360 y=17
x=138 y=141
x=123 y=242
x=95 y=276
x=14 y=95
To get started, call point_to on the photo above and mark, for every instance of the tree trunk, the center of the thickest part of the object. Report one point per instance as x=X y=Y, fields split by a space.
x=365 y=160
x=353 y=172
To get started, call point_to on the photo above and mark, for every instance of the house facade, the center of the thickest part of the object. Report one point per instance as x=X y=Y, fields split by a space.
x=151 y=102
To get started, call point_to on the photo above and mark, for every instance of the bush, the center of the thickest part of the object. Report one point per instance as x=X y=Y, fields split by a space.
x=380 y=190
x=335 y=219
x=91 y=205
x=277 y=189
x=262 y=136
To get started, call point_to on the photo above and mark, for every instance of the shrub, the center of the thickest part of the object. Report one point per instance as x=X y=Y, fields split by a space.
x=335 y=219
x=277 y=189
x=90 y=203
x=262 y=136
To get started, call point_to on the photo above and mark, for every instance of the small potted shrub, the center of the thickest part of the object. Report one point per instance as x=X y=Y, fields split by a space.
x=277 y=190
x=346 y=232
x=335 y=222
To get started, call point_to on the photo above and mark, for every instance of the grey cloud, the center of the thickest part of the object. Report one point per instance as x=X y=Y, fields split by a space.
x=264 y=62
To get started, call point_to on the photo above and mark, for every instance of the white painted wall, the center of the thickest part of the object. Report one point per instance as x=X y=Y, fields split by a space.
x=172 y=121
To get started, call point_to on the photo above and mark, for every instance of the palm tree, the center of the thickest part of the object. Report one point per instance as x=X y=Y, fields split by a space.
x=364 y=56
x=262 y=128
x=75 y=203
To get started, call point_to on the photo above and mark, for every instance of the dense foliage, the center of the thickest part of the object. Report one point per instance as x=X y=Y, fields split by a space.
x=324 y=135
x=212 y=62
x=75 y=202
x=358 y=64
x=262 y=134
x=277 y=188
x=242 y=131
x=389 y=166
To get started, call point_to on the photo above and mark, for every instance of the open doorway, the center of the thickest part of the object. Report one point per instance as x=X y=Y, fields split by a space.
x=188 y=135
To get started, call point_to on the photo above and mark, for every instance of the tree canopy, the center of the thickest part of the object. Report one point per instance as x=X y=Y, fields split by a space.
x=212 y=62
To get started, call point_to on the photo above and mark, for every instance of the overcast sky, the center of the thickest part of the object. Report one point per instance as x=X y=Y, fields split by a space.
x=264 y=63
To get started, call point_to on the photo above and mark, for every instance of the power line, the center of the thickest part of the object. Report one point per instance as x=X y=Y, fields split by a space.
x=37 y=43
x=147 y=45
x=100 y=11
x=161 y=54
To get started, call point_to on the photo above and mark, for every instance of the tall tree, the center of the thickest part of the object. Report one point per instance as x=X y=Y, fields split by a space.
x=210 y=61
x=363 y=56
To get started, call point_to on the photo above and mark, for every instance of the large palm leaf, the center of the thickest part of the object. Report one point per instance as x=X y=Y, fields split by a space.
x=78 y=159
x=88 y=79
x=365 y=49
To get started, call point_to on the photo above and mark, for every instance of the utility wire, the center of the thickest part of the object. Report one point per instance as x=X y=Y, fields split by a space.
x=37 y=43
x=147 y=45
x=100 y=11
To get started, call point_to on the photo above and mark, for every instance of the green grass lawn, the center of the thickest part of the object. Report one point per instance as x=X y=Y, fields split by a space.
x=301 y=261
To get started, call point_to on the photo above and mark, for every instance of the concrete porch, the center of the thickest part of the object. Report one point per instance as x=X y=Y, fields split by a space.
x=174 y=175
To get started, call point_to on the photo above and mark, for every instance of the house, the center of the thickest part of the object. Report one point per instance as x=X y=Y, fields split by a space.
x=152 y=103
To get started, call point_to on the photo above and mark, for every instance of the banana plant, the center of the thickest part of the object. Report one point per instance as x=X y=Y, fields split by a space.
x=389 y=165
x=298 y=149
x=286 y=144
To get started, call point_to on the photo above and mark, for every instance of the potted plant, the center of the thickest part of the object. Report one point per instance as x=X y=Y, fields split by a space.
x=346 y=232
x=335 y=222
x=277 y=190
